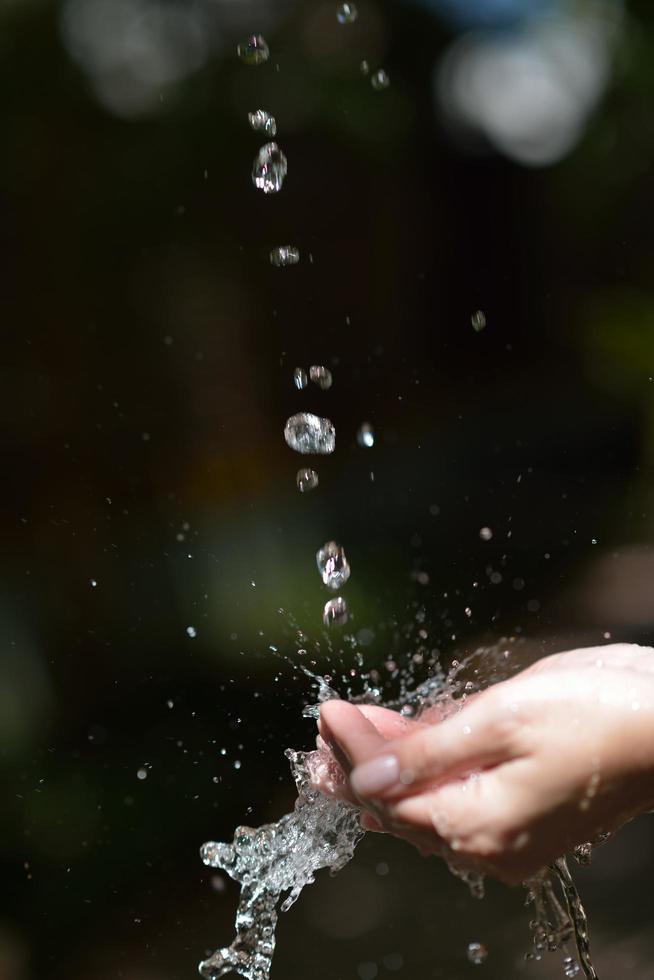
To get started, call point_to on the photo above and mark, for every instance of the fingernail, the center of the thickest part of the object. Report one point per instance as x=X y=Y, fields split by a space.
x=375 y=776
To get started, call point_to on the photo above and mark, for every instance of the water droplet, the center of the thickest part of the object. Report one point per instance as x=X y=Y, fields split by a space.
x=170 y=703
x=269 y=169
x=335 y=612
x=365 y=67
x=191 y=632
x=307 y=480
x=93 y=583
x=570 y=967
x=485 y=534
x=237 y=764
x=321 y=376
x=477 y=953
x=254 y=50
x=283 y=255
x=366 y=435
x=300 y=379
x=307 y=433
x=262 y=122
x=333 y=565
x=478 y=320
x=380 y=80
x=142 y=774
x=346 y=13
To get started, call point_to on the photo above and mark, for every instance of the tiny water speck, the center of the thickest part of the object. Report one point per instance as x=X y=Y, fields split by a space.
x=321 y=376
x=333 y=565
x=142 y=774
x=283 y=255
x=269 y=169
x=477 y=953
x=380 y=80
x=570 y=967
x=93 y=583
x=262 y=122
x=191 y=632
x=346 y=13
x=300 y=379
x=254 y=50
x=237 y=764
x=366 y=435
x=365 y=67
x=478 y=320
x=485 y=534
x=335 y=612
x=307 y=433
x=307 y=480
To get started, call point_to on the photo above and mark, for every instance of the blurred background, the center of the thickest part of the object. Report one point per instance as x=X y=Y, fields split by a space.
x=158 y=560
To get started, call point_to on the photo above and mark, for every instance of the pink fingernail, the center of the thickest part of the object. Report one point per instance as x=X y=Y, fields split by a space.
x=373 y=777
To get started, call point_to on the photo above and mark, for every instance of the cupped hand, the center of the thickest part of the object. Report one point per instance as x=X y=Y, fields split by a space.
x=524 y=771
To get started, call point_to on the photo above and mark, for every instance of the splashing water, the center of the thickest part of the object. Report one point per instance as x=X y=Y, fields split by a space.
x=254 y=50
x=380 y=80
x=274 y=862
x=300 y=379
x=333 y=565
x=269 y=169
x=262 y=122
x=321 y=376
x=335 y=612
x=346 y=13
x=279 y=858
x=477 y=953
x=306 y=480
x=307 y=433
x=283 y=255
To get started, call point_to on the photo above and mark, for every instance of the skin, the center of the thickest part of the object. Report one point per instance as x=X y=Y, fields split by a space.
x=527 y=769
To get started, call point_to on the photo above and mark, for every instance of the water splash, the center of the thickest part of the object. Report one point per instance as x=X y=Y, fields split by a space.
x=254 y=50
x=283 y=255
x=280 y=859
x=275 y=862
x=333 y=565
x=269 y=169
x=262 y=122
x=306 y=480
x=335 y=612
x=307 y=433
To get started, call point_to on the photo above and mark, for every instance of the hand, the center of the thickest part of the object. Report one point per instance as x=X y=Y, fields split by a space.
x=524 y=771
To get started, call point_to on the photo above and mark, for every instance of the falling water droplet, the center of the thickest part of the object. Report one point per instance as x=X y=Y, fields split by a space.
x=254 y=50
x=346 y=13
x=380 y=80
x=478 y=320
x=333 y=565
x=307 y=433
x=142 y=774
x=335 y=612
x=283 y=255
x=365 y=67
x=366 y=435
x=93 y=583
x=485 y=534
x=300 y=379
x=307 y=480
x=269 y=169
x=477 y=953
x=321 y=376
x=191 y=632
x=262 y=122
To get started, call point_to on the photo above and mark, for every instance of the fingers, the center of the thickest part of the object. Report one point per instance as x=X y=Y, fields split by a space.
x=480 y=736
x=349 y=734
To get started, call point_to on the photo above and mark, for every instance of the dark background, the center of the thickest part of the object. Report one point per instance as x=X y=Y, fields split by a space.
x=148 y=350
